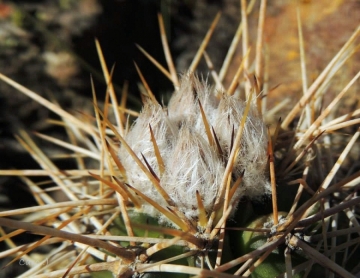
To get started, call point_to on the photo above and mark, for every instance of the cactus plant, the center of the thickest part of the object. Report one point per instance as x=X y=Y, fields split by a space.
x=184 y=190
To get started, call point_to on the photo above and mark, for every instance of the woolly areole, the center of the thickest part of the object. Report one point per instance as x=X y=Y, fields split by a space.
x=191 y=163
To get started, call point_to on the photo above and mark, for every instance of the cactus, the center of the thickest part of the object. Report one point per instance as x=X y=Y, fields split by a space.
x=186 y=189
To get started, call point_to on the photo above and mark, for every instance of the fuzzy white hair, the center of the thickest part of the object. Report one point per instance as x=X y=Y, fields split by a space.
x=191 y=163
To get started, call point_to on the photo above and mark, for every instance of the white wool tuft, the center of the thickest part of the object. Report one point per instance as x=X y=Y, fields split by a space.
x=191 y=163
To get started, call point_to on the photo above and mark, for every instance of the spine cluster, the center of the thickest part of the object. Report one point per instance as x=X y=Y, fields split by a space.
x=192 y=161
